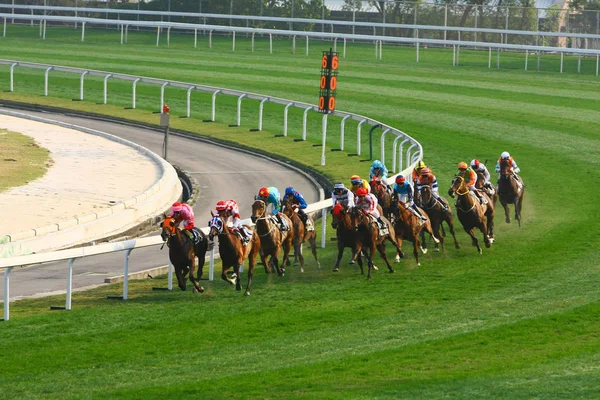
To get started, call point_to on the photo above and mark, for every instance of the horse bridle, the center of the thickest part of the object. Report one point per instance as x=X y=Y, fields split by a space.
x=264 y=217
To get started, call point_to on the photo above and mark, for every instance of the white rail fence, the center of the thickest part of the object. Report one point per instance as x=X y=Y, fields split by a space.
x=406 y=151
x=378 y=40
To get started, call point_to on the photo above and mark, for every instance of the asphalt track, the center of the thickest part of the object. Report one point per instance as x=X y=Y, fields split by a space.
x=221 y=173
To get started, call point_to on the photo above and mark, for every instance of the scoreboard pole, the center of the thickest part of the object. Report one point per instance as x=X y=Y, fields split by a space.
x=328 y=91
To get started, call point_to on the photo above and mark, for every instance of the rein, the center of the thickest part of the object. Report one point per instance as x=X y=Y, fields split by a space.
x=265 y=218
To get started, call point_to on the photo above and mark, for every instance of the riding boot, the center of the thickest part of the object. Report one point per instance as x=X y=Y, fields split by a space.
x=482 y=199
x=191 y=235
x=382 y=226
x=283 y=226
x=303 y=216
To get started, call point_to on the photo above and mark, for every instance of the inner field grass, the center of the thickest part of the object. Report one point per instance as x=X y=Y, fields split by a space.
x=519 y=321
x=21 y=158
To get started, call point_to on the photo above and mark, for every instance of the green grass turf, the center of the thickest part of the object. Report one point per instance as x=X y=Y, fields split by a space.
x=518 y=322
x=22 y=160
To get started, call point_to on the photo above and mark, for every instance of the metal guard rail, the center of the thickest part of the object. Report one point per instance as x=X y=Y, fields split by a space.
x=413 y=154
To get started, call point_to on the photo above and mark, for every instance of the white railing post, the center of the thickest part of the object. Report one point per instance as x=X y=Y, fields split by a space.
x=7 y=293
x=162 y=96
x=394 y=148
x=122 y=32
x=307 y=45
x=323 y=227
x=233 y=46
x=304 y=118
x=527 y=58
x=260 y=113
x=210 y=39
x=106 y=87
x=342 y=131
x=323 y=138
x=169 y=36
x=252 y=43
x=561 y=62
x=126 y=274
x=270 y=43
x=157 y=35
x=82 y=31
x=133 y=97
x=294 y=45
x=344 y=55
x=4 y=30
x=170 y=276
x=285 y=118
x=239 y=109
x=211 y=264
x=490 y=57
x=189 y=98
x=358 y=129
x=408 y=158
x=400 y=152
x=195 y=38
x=12 y=73
x=83 y=74
x=44 y=31
x=46 y=80
x=214 y=103
x=383 y=145
x=126 y=34
x=69 y=284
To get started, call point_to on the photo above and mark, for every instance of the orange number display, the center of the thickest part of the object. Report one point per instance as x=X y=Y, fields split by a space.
x=333 y=83
x=335 y=62
x=321 y=102
x=324 y=61
x=323 y=82
x=331 y=103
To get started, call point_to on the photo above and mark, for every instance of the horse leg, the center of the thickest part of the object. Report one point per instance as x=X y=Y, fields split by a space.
x=399 y=252
x=423 y=241
x=181 y=282
x=474 y=239
x=416 y=246
x=370 y=258
x=451 y=229
x=518 y=207
x=340 y=246
x=381 y=249
x=298 y=255
x=486 y=237
x=193 y=267
x=360 y=264
x=435 y=229
x=506 y=211
x=313 y=248
x=251 y=266
x=263 y=259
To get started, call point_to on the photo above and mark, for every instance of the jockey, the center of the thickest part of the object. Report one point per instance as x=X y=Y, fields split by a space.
x=296 y=198
x=379 y=171
x=478 y=166
x=513 y=166
x=230 y=210
x=429 y=179
x=357 y=183
x=341 y=194
x=417 y=171
x=270 y=195
x=368 y=203
x=404 y=193
x=470 y=178
x=182 y=212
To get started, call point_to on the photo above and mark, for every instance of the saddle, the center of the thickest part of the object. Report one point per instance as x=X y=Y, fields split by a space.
x=308 y=225
x=194 y=235
x=245 y=239
x=283 y=226
x=383 y=229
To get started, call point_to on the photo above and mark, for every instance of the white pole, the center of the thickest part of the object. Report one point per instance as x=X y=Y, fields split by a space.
x=69 y=284
x=210 y=39
x=561 y=62
x=252 y=45
x=81 y=84
x=126 y=34
x=157 y=35
x=239 y=109
x=344 y=47
x=417 y=53
x=162 y=96
x=106 y=87
x=189 y=97
x=578 y=63
x=4 y=32
x=214 y=104
x=285 y=118
x=122 y=32
x=526 y=59
x=211 y=265
x=323 y=138
x=195 y=38
x=342 y=130
x=46 y=80
x=12 y=72
x=304 y=117
x=394 y=147
x=323 y=227
x=6 y=294
x=170 y=276
x=454 y=55
x=169 y=36
x=400 y=164
x=382 y=145
x=126 y=274
x=597 y=58
x=498 y=58
x=260 y=113
x=233 y=45
x=334 y=43
x=358 y=136
x=294 y=45
x=44 y=31
x=82 y=31
x=490 y=57
x=270 y=43
x=134 y=86
x=307 y=45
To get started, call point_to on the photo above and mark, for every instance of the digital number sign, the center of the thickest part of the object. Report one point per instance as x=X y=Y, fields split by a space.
x=328 y=84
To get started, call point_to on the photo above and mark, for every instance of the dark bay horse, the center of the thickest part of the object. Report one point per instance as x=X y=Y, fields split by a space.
x=301 y=234
x=368 y=237
x=437 y=214
x=490 y=191
x=346 y=237
x=384 y=198
x=509 y=191
x=408 y=226
x=472 y=214
x=271 y=238
x=183 y=253
x=233 y=252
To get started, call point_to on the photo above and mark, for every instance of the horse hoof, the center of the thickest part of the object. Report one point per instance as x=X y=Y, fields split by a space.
x=302 y=270
x=247 y=293
x=392 y=271
x=336 y=270
x=480 y=251
x=397 y=259
x=457 y=246
x=201 y=290
x=424 y=251
x=418 y=264
x=437 y=250
x=375 y=268
x=508 y=220
x=351 y=262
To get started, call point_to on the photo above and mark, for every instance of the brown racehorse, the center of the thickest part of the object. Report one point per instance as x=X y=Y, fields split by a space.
x=301 y=235
x=183 y=253
x=472 y=214
x=408 y=227
x=233 y=252
x=490 y=191
x=509 y=191
x=346 y=237
x=437 y=214
x=369 y=239
x=271 y=238
x=384 y=198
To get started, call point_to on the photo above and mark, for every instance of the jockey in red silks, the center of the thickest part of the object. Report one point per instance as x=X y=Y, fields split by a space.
x=182 y=212
x=367 y=202
x=231 y=211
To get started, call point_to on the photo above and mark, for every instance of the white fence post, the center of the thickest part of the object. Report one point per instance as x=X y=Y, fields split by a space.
x=211 y=265
x=408 y=158
x=398 y=137
x=126 y=274
x=169 y=36
x=12 y=73
x=342 y=130
x=270 y=43
x=170 y=276
x=133 y=97
x=214 y=104
x=239 y=109
x=252 y=43
x=323 y=138
x=44 y=31
x=106 y=87
x=81 y=84
x=233 y=45
x=400 y=152
x=304 y=118
x=358 y=129
x=285 y=118
x=260 y=113
x=82 y=31
x=46 y=80
x=383 y=145
x=4 y=30
x=69 y=284
x=307 y=45
x=210 y=39
x=162 y=96
x=157 y=35
x=195 y=38
x=7 y=293
x=189 y=98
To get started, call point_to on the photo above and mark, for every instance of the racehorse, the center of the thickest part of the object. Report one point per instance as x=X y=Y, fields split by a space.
x=183 y=253
x=368 y=237
x=346 y=237
x=384 y=198
x=233 y=252
x=301 y=235
x=408 y=227
x=472 y=214
x=437 y=214
x=480 y=185
x=509 y=191
x=271 y=238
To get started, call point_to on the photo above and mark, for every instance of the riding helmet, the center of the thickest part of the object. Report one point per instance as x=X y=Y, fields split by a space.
x=462 y=165
x=263 y=192
x=400 y=180
x=362 y=192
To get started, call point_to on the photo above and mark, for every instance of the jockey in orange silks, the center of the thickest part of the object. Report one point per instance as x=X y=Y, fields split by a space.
x=417 y=171
x=470 y=178
x=357 y=182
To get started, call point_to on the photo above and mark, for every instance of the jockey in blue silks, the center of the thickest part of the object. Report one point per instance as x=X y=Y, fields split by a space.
x=404 y=193
x=296 y=198
x=378 y=170
x=270 y=195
